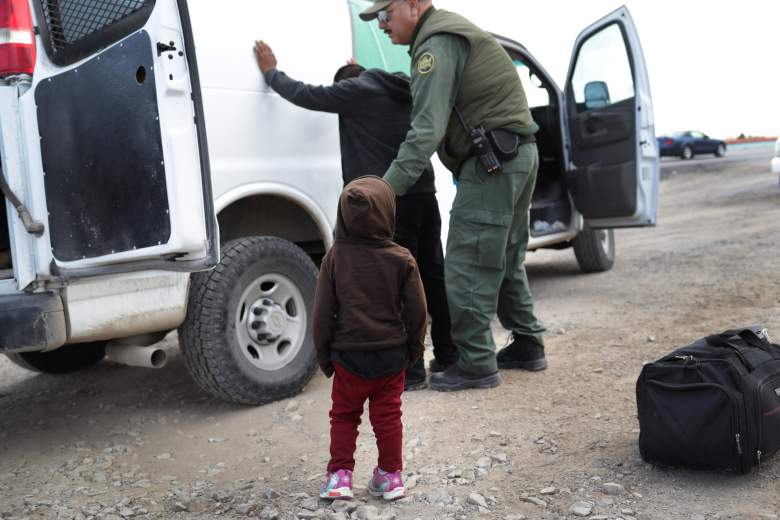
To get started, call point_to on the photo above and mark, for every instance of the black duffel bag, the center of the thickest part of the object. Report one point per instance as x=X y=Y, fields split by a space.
x=714 y=404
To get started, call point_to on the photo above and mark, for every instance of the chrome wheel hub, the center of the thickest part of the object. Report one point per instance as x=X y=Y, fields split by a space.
x=271 y=322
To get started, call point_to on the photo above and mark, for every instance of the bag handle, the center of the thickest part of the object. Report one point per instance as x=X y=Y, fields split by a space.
x=750 y=357
x=750 y=337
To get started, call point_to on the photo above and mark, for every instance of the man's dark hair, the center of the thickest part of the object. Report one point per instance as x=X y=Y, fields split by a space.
x=348 y=71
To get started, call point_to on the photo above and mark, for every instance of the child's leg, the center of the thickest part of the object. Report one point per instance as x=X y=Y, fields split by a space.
x=348 y=396
x=384 y=410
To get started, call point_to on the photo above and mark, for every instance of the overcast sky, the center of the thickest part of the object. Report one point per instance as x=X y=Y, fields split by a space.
x=713 y=66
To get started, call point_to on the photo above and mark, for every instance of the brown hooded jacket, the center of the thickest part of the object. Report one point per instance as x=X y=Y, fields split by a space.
x=369 y=293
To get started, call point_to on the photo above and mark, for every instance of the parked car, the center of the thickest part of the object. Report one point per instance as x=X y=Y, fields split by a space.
x=689 y=144
x=123 y=150
x=776 y=158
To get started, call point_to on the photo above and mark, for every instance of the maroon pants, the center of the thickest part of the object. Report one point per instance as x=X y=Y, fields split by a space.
x=384 y=410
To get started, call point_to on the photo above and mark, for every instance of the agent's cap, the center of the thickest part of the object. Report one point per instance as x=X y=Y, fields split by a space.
x=372 y=12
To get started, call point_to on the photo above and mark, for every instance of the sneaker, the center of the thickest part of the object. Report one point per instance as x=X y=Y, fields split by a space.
x=389 y=486
x=523 y=354
x=453 y=379
x=337 y=486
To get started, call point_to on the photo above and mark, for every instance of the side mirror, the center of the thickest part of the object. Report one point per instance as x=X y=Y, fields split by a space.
x=596 y=95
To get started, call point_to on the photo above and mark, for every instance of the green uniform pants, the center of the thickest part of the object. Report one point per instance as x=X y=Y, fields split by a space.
x=484 y=266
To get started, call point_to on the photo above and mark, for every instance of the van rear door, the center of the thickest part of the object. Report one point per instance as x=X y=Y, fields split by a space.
x=115 y=131
x=613 y=174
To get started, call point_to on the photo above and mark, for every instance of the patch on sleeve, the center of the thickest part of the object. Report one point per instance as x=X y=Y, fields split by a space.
x=426 y=63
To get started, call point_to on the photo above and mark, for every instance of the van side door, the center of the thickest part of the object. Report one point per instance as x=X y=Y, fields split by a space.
x=613 y=174
x=116 y=141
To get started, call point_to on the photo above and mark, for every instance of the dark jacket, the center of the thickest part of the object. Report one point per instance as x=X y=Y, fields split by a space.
x=369 y=293
x=374 y=117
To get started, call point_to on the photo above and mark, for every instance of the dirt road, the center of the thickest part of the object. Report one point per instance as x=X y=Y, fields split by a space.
x=114 y=442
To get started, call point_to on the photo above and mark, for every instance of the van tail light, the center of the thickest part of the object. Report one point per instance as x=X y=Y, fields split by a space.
x=17 y=41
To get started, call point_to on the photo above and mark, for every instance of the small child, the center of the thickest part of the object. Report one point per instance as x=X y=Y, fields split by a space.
x=369 y=326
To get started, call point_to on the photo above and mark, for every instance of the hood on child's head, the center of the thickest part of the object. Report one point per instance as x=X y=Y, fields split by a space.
x=366 y=210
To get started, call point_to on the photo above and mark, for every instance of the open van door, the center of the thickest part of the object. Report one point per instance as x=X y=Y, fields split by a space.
x=119 y=145
x=613 y=174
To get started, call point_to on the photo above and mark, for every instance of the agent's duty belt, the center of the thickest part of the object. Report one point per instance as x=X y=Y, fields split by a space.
x=494 y=147
x=497 y=147
x=506 y=144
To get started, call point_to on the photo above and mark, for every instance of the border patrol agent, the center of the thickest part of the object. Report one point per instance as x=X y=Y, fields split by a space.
x=469 y=103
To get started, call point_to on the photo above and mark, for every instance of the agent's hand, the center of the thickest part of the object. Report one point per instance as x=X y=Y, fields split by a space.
x=264 y=56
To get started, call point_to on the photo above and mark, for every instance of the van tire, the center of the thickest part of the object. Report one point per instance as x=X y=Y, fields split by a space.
x=64 y=360
x=210 y=337
x=595 y=250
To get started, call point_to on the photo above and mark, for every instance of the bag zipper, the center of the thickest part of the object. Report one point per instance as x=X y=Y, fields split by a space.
x=687 y=359
x=772 y=379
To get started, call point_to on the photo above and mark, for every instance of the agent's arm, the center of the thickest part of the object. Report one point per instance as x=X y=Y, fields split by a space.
x=436 y=75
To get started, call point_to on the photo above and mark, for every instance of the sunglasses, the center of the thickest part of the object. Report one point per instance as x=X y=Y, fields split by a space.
x=384 y=15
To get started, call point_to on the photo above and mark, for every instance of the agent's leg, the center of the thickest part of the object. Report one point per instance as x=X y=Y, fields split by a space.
x=515 y=303
x=474 y=267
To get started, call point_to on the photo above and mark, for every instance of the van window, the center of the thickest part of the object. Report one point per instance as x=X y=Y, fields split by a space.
x=74 y=29
x=535 y=91
x=371 y=47
x=603 y=66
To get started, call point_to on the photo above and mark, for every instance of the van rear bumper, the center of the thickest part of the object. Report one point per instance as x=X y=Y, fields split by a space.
x=31 y=322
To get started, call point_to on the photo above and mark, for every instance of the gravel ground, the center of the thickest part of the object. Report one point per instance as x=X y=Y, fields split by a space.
x=115 y=442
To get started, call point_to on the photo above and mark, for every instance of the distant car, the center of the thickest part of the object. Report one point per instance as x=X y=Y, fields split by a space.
x=776 y=158
x=690 y=143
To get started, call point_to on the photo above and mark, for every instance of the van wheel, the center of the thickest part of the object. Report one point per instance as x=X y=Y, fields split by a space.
x=64 y=360
x=247 y=337
x=595 y=250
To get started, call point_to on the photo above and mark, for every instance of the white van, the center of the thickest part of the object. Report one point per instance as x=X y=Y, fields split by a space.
x=130 y=162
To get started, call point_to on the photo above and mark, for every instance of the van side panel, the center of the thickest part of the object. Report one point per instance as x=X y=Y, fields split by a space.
x=255 y=136
x=123 y=306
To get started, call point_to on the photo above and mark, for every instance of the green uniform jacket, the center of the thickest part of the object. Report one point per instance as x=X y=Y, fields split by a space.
x=456 y=63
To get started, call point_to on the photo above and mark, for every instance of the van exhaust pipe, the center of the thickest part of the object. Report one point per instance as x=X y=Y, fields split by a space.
x=135 y=356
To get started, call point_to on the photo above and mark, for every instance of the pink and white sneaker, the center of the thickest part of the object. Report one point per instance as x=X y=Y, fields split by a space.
x=389 y=486
x=337 y=486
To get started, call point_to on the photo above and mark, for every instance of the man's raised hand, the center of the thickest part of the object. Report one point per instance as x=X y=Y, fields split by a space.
x=265 y=57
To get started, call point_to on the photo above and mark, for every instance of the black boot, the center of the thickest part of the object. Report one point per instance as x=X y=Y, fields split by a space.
x=523 y=353
x=415 y=377
x=437 y=366
x=453 y=379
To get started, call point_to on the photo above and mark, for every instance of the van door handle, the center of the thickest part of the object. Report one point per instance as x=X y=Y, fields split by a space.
x=164 y=47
